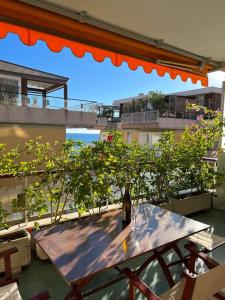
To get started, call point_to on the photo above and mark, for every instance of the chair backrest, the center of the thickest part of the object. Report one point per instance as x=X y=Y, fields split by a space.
x=209 y=283
x=7 y=262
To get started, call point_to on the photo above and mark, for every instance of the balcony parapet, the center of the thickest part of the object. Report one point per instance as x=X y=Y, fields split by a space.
x=30 y=115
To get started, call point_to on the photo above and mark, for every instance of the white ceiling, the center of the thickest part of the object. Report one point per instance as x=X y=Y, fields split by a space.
x=194 y=25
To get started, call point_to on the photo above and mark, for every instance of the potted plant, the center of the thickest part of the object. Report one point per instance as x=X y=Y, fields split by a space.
x=19 y=239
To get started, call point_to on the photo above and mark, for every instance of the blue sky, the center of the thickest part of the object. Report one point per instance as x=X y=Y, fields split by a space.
x=90 y=80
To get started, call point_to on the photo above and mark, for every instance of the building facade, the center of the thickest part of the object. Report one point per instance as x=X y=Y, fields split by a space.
x=28 y=107
x=209 y=97
x=141 y=121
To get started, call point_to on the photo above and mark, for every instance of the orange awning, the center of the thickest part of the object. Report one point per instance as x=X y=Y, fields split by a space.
x=32 y=23
x=56 y=44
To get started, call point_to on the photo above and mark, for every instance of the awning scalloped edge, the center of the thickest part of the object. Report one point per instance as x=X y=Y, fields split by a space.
x=30 y=37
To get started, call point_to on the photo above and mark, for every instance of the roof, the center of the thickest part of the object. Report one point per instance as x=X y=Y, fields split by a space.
x=36 y=78
x=202 y=91
x=129 y=99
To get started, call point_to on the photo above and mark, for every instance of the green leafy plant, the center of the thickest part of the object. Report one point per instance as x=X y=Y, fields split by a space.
x=161 y=168
x=51 y=191
x=3 y=218
x=196 y=142
x=76 y=177
x=127 y=162
x=158 y=100
x=92 y=177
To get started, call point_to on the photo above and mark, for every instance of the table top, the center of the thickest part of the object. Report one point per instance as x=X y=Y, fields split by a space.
x=86 y=246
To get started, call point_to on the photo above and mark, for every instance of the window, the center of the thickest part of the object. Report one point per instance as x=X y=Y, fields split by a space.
x=9 y=89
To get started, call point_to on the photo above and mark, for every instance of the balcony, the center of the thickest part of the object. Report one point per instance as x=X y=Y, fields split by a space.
x=95 y=236
x=157 y=119
x=108 y=116
x=35 y=109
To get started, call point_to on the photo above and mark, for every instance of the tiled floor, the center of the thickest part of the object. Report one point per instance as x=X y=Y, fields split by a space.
x=41 y=276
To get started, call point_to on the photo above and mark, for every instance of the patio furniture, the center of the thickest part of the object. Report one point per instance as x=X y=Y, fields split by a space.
x=207 y=240
x=81 y=249
x=205 y=286
x=21 y=240
x=8 y=286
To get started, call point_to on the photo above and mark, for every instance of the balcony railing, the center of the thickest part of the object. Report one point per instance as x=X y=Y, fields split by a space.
x=140 y=117
x=102 y=121
x=153 y=116
x=178 y=115
x=49 y=102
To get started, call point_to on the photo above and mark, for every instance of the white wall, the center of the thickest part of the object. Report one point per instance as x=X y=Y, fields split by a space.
x=219 y=200
x=149 y=138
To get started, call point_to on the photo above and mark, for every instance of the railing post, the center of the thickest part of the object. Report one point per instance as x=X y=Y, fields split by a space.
x=44 y=102
x=65 y=96
x=24 y=91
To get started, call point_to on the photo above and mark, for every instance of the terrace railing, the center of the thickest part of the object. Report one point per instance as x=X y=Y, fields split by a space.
x=153 y=116
x=49 y=102
x=140 y=117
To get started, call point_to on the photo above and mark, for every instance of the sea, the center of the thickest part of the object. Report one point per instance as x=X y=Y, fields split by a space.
x=87 y=138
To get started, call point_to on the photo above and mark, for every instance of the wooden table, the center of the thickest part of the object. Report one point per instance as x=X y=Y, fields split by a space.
x=85 y=247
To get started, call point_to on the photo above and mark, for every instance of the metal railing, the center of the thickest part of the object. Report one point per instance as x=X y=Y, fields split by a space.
x=49 y=102
x=153 y=116
x=102 y=121
x=140 y=117
x=108 y=122
x=178 y=115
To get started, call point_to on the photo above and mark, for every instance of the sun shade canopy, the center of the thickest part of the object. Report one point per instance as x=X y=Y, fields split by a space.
x=33 y=23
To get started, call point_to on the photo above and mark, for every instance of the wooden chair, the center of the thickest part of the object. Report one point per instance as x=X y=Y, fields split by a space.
x=204 y=286
x=8 y=286
x=207 y=240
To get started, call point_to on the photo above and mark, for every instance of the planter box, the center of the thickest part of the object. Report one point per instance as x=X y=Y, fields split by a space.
x=21 y=240
x=192 y=204
x=40 y=253
x=167 y=205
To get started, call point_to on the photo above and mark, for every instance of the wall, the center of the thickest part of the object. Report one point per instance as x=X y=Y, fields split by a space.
x=174 y=123
x=18 y=134
x=31 y=115
x=13 y=134
x=219 y=200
